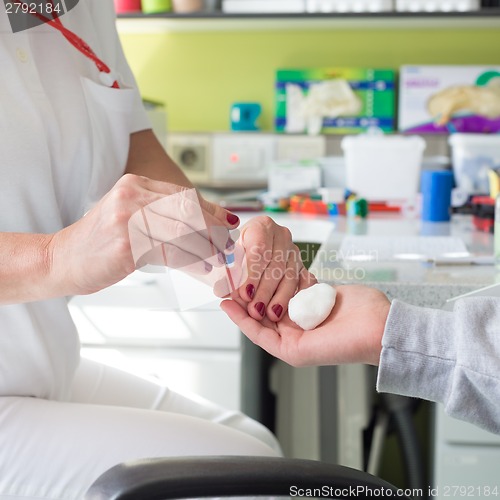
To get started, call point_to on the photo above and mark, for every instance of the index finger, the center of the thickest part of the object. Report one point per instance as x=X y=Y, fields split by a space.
x=220 y=214
x=258 y=244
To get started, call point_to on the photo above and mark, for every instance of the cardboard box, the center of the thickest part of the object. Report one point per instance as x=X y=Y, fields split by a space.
x=370 y=92
x=466 y=93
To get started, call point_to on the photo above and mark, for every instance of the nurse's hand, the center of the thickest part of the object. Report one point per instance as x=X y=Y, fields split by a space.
x=140 y=221
x=268 y=270
x=352 y=333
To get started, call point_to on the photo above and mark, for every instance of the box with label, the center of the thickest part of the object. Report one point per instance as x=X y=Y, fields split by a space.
x=443 y=99
x=334 y=100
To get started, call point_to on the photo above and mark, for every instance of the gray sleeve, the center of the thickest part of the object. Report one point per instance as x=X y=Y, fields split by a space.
x=448 y=357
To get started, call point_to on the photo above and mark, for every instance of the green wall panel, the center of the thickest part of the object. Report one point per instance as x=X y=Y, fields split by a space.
x=200 y=74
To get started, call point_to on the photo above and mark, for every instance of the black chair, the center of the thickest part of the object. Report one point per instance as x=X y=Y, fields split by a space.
x=216 y=476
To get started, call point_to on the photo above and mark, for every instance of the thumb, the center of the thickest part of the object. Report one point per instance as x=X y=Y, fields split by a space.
x=226 y=217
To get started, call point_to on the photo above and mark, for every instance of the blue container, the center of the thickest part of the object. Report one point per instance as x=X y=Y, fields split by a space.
x=244 y=116
x=436 y=195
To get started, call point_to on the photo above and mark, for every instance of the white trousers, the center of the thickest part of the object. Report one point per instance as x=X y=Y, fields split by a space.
x=55 y=450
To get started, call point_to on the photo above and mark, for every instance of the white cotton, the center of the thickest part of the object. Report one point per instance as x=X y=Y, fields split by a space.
x=310 y=307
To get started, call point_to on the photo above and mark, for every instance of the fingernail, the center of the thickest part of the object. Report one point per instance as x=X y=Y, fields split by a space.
x=261 y=308
x=221 y=257
x=232 y=219
x=251 y=291
x=208 y=267
x=278 y=310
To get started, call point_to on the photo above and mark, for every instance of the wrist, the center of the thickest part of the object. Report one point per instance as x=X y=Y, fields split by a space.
x=26 y=275
x=57 y=266
x=376 y=350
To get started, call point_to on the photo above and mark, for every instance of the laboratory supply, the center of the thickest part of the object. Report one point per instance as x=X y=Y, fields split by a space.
x=156 y=6
x=437 y=5
x=332 y=194
x=211 y=5
x=239 y=160
x=497 y=231
x=311 y=306
x=334 y=100
x=483 y=213
x=288 y=178
x=242 y=159
x=443 y=99
x=300 y=147
x=274 y=203
x=383 y=168
x=356 y=207
x=473 y=155
x=333 y=170
x=263 y=6
x=224 y=160
x=494 y=182
x=187 y=6
x=341 y=6
x=305 y=204
x=244 y=116
x=436 y=195
x=124 y=6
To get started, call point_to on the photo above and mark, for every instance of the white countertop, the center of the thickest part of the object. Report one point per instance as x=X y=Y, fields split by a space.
x=415 y=282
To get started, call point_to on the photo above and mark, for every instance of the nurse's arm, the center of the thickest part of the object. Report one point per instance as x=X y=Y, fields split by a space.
x=24 y=267
x=147 y=157
x=27 y=260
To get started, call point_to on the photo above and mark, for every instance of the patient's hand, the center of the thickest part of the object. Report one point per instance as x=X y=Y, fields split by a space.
x=267 y=272
x=352 y=333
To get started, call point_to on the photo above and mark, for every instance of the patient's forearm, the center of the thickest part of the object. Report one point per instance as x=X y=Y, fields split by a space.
x=447 y=357
x=25 y=268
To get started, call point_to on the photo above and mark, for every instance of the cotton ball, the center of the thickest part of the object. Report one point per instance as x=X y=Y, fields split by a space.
x=310 y=307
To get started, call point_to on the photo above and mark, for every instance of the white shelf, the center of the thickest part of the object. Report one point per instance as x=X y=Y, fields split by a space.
x=225 y=22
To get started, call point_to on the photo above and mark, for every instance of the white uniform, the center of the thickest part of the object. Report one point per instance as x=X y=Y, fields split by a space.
x=63 y=144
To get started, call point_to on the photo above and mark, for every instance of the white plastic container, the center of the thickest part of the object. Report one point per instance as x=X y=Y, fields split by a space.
x=349 y=5
x=437 y=5
x=472 y=156
x=383 y=168
x=263 y=6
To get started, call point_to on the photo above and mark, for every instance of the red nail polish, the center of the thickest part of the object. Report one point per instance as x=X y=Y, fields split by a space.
x=261 y=308
x=232 y=219
x=251 y=291
x=278 y=310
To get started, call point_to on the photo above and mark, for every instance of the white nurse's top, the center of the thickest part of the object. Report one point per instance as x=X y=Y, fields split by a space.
x=64 y=141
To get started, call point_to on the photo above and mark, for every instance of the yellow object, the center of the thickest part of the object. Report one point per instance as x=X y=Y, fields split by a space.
x=494 y=179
